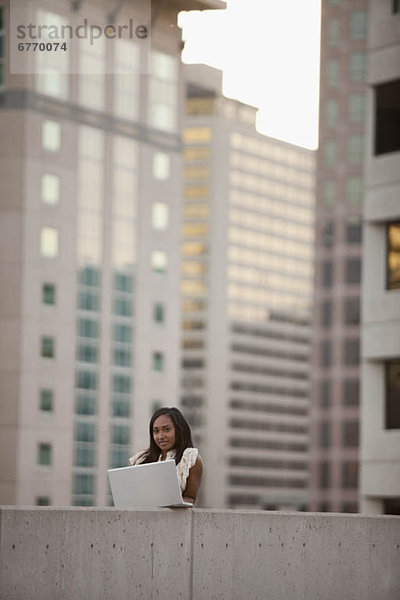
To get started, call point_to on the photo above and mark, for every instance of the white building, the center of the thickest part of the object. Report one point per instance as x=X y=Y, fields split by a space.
x=247 y=272
x=380 y=439
x=90 y=208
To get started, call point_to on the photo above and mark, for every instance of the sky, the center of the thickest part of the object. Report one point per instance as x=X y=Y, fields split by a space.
x=268 y=51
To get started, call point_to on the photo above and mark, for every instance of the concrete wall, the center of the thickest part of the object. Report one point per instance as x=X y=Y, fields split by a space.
x=101 y=554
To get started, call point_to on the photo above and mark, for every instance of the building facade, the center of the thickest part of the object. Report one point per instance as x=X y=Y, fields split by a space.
x=247 y=271
x=380 y=416
x=335 y=373
x=90 y=204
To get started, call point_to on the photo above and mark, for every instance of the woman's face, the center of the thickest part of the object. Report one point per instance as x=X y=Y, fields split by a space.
x=164 y=433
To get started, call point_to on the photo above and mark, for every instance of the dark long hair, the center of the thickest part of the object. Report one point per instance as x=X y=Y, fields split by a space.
x=183 y=435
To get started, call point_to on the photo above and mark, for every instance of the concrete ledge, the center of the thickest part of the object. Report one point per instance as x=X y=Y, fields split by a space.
x=110 y=554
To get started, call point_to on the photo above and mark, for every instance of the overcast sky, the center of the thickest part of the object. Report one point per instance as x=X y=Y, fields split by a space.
x=269 y=53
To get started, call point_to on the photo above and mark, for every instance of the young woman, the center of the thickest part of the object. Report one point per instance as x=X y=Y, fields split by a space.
x=170 y=437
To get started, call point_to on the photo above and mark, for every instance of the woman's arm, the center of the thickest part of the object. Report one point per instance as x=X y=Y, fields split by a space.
x=193 y=481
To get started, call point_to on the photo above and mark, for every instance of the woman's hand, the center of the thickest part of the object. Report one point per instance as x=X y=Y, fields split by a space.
x=193 y=481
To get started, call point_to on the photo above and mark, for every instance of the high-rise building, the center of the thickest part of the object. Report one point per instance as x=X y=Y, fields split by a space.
x=335 y=373
x=90 y=209
x=247 y=272
x=380 y=415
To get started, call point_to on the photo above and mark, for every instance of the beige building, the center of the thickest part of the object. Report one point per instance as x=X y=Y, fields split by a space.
x=335 y=373
x=247 y=272
x=90 y=209
x=380 y=417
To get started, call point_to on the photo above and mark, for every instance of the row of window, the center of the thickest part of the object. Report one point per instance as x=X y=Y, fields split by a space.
x=356 y=69
x=352 y=272
x=353 y=192
x=349 y=479
x=357 y=27
x=355 y=151
x=351 y=312
x=355 y=110
x=350 y=352
x=352 y=231
x=349 y=434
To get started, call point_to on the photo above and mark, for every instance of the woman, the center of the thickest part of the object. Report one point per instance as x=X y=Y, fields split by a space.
x=170 y=437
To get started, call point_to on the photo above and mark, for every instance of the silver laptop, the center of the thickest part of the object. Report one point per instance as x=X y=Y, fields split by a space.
x=149 y=485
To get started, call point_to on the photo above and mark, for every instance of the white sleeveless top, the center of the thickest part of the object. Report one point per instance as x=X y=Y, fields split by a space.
x=187 y=461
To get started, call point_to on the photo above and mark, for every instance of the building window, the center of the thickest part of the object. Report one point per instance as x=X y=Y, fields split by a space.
x=354 y=190
x=356 y=108
x=331 y=112
x=161 y=166
x=158 y=361
x=393 y=256
x=122 y=333
x=328 y=233
x=42 y=501
x=350 y=434
x=325 y=393
x=44 y=454
x=325 y=353
x=327 y=274
x=352 y=311
x=121 y=357
x=395 y=9
x=49 y=294
x=47 y=347
x=350 y=475
x=88 y=301
x=353 y=230
x=351 y=392
x=358 y=25
x=120 y=407
x=329 y=150
x=123 y=307
x=120 y=434
x=51 y=136
x=86 y=380
x=121 y=384
x=88 y=328
x=126 y=84
x=85 y=405
x=50 y=189
x=85 y=431
x=355 y=149
x=46 y=398
x=324 y=475
x=349 y=507
x=84 y=483
x=87 y=353
x=391 y=506
x=160 y=215
x=353 y=271
x=333 y=32
x=332 y=72
x=329 y=194
x=163 y=92
x=351 y=353
x=159 y=261
x=158 y=312
x=357 y=66
x=325 y=434
x=326 y=313
x=85 y=455
x=49 y=242
x=392 y=394
x=123 y=282
x=89 y=276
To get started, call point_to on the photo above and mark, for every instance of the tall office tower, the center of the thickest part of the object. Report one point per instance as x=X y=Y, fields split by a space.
x=380 y=416
x=336 y=331
x=89 y=226
x=247 y=263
